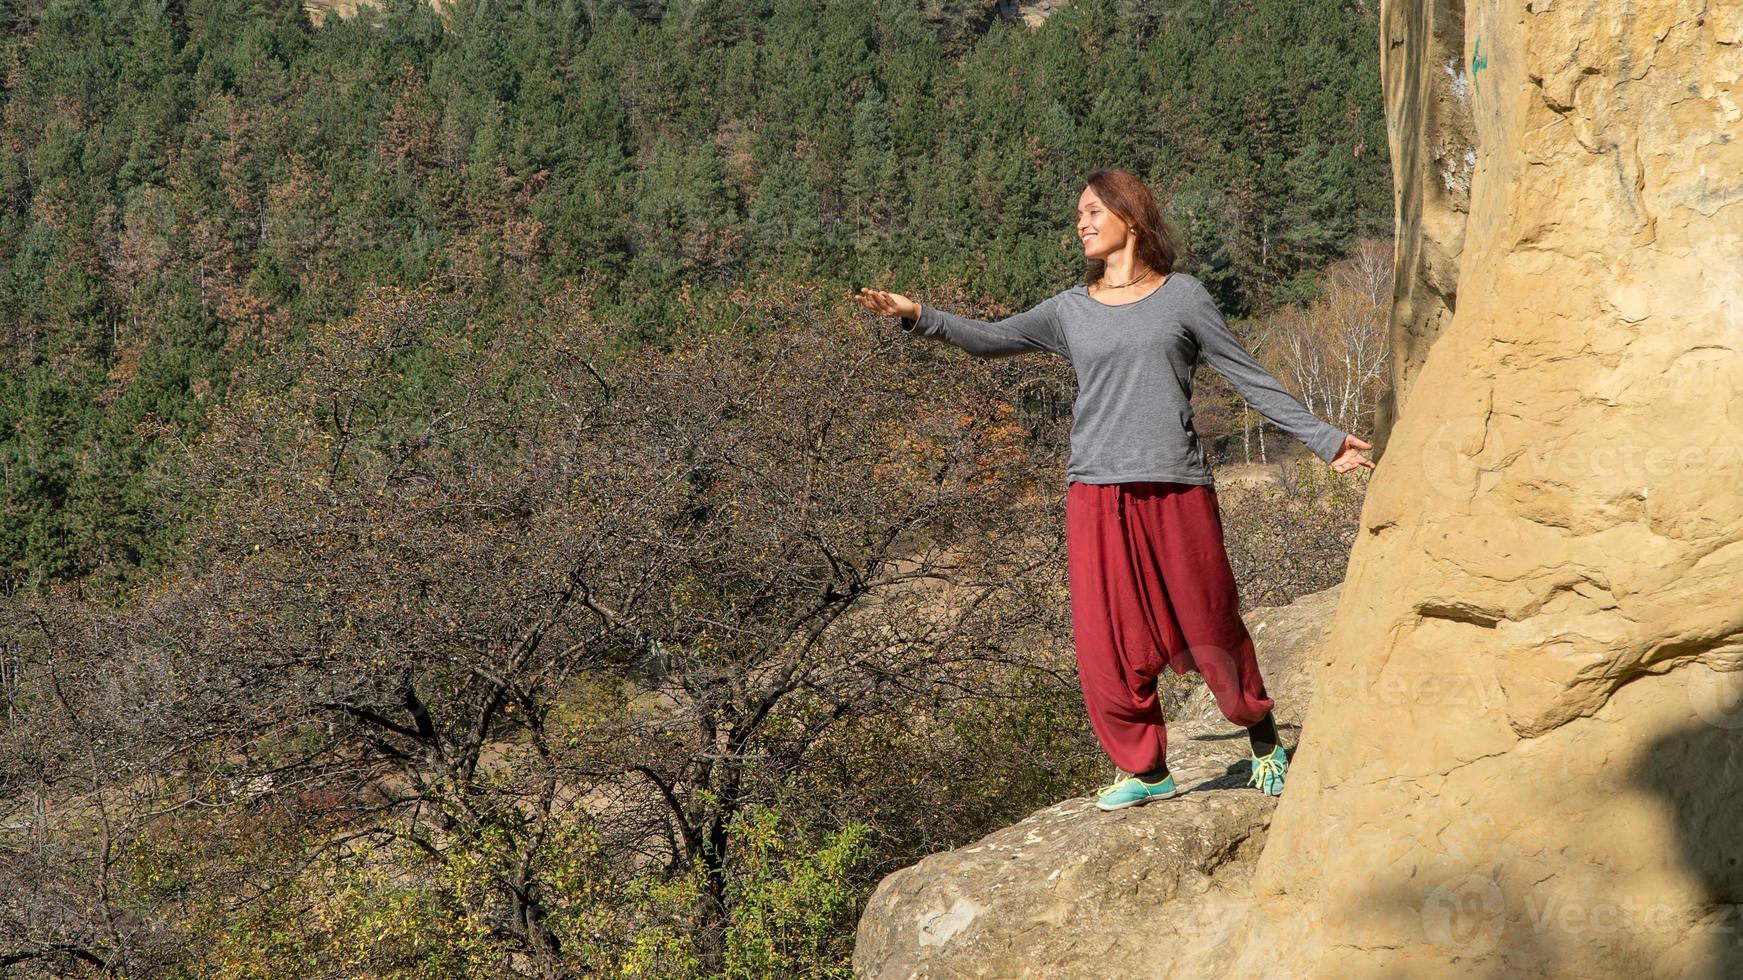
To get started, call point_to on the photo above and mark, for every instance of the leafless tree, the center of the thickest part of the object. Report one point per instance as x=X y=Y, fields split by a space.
x=1334 y=352
x=457 y=588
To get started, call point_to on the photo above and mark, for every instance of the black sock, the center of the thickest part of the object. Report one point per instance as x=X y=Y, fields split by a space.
x=1264 y=736
x=1155 y=775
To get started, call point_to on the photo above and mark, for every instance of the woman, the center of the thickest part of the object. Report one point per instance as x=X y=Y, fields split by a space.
x=1150 y=580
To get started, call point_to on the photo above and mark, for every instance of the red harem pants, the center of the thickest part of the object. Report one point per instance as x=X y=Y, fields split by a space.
x=1151 y=587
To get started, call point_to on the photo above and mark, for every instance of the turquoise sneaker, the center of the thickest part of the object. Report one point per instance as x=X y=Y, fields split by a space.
x=1132 y=791
x=1268 y=772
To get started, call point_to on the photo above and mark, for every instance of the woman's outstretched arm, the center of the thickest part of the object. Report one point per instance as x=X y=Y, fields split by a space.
x=1034 y=329
x=1256 y=385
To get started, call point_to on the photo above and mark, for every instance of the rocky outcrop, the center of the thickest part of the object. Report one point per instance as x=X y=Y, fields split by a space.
x=1075 y=892
x=1523 y=755
x=1432 y=132
x=1031 y=12
x=960 y=23
x=956 y=20
x=1533 y=762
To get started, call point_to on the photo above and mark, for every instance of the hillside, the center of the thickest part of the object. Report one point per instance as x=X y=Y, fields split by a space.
x=952 y=19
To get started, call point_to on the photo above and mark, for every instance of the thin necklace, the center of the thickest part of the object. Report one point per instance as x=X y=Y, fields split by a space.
x=1123 y=285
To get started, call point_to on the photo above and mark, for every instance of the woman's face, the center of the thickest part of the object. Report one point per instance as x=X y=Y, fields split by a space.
x=1100 y=230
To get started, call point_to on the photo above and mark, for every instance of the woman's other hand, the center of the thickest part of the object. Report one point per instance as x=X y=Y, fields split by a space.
x=889 y=304
x=1348 y=458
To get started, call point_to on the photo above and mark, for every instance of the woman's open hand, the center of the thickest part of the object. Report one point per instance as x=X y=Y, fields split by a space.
x=1347 y=458
x=889 y=304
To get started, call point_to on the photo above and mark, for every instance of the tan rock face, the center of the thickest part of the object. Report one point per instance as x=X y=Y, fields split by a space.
x=1524 y=756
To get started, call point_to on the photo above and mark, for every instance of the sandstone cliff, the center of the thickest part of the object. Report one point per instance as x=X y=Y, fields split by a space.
x=1524 y=753
x=1545 y=596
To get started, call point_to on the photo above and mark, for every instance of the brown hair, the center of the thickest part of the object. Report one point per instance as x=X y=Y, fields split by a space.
x=1130 y=198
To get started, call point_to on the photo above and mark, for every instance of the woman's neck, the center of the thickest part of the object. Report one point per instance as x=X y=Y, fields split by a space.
x=1123 y=269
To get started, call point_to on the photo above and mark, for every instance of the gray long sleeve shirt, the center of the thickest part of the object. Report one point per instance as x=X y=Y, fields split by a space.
x=1132 y=419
